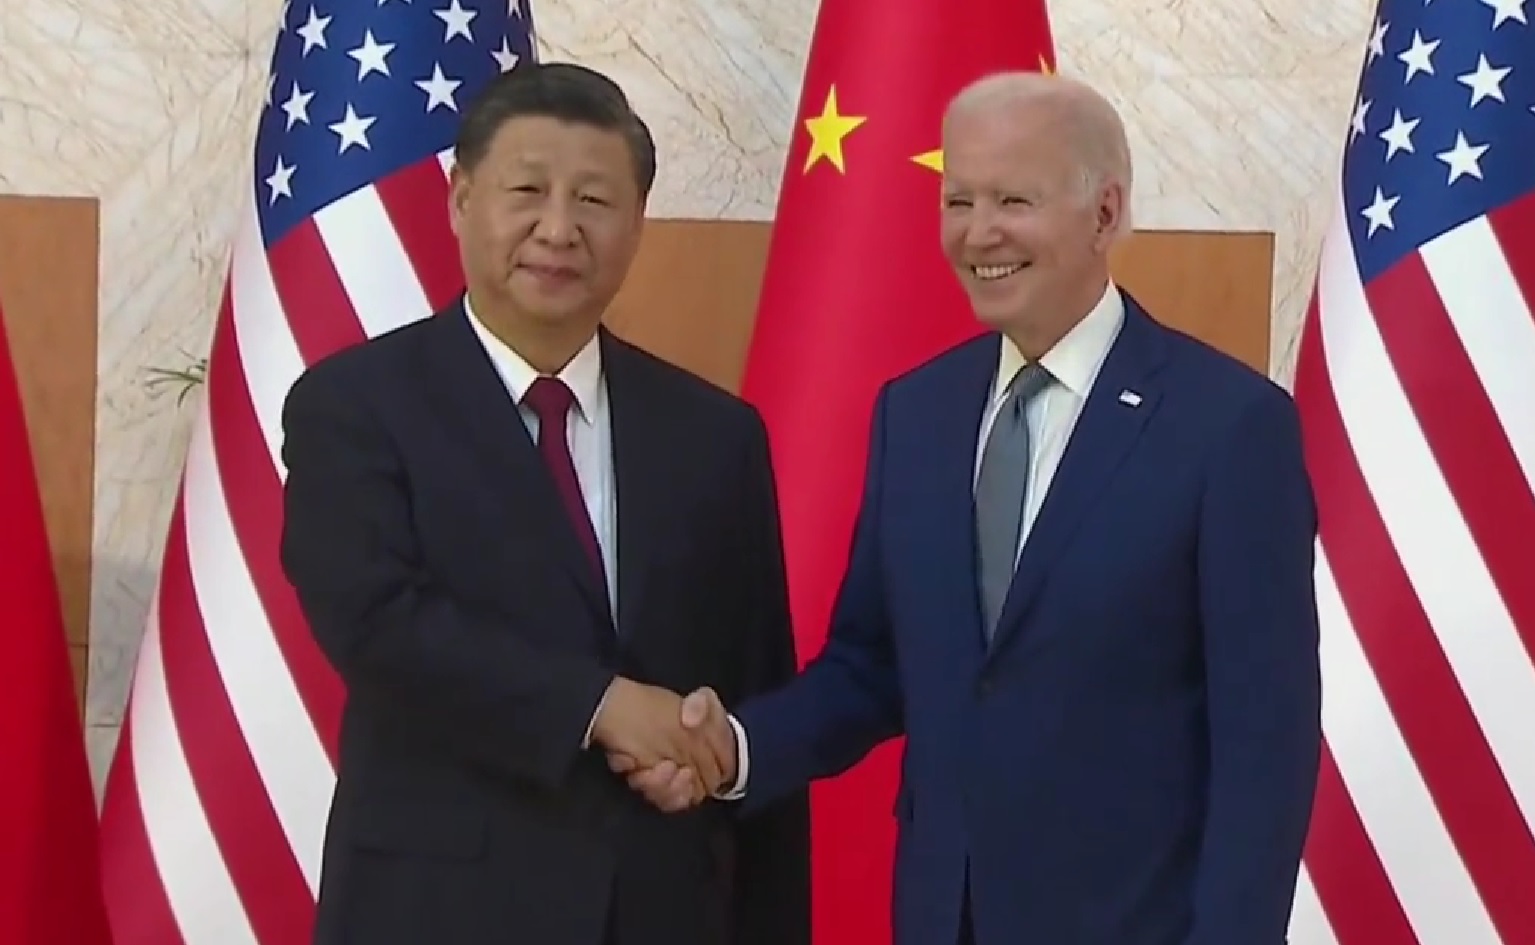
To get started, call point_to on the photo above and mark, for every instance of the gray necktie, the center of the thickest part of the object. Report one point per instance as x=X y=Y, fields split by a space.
x=1000 y=491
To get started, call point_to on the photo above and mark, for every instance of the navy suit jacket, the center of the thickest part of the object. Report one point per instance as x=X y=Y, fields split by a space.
x=1132 y=760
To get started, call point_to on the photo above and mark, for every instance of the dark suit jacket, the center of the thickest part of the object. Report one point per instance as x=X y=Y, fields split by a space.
x=430 y=553
x=1132 y=760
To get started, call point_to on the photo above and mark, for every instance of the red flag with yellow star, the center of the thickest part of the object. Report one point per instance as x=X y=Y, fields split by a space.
x=50 y=892
x=857 y=291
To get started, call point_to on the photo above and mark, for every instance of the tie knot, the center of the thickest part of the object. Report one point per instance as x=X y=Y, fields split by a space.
x=550 y=398
x=1029 y=381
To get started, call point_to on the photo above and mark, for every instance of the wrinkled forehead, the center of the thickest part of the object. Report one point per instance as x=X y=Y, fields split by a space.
x=1000 y=148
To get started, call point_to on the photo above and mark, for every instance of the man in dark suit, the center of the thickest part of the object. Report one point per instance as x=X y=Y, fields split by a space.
x=518 y=539
x=1080 y=584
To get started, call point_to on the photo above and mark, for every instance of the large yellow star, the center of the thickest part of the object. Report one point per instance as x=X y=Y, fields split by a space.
x=827 y=131
x=933 y=160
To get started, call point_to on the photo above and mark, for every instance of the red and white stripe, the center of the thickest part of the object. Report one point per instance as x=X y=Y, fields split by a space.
x=1417 y=397
x=217 y=798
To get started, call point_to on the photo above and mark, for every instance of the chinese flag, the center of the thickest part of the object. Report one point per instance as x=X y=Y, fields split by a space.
x=857 y=291
x=50 y=892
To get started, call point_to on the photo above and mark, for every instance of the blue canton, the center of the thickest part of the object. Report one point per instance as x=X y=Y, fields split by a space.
x=360 y=89
x=1443 y=130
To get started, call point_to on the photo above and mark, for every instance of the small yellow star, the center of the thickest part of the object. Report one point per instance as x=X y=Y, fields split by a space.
x=933 y=160
x=827 y=131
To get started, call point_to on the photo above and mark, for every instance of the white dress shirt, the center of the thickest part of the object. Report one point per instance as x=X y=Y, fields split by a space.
x=1052 y=415
x=588 y=432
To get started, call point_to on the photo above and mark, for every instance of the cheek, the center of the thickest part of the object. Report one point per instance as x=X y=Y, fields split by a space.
x=951 y=237
x=960 y=231
x=1031 y=225
x=611 y=249
x=501 y=231
x=511 y=232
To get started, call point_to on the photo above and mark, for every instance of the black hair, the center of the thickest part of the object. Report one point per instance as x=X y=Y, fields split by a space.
x=560 y=90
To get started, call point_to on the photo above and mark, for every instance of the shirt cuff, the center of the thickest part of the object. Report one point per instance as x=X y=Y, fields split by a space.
x=586 y=740
x=743 y=764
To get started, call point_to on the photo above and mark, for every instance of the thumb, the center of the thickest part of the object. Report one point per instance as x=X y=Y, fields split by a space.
x=698 y=707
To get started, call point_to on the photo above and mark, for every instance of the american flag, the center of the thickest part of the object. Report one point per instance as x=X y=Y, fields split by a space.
x=1416 y=385
x=217 y=798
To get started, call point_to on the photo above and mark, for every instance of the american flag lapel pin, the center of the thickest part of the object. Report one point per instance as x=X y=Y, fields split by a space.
x=1130 y=398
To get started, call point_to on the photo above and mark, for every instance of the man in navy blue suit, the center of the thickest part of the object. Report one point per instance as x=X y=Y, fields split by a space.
x=1080 y=585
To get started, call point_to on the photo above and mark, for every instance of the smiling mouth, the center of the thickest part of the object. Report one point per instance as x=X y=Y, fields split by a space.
x=993 y=273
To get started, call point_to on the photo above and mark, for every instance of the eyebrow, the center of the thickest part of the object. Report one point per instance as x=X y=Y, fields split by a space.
x=584 y=177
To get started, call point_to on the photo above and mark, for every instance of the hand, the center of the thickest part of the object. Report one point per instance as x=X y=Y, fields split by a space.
x=656 y=729
x=671 y=786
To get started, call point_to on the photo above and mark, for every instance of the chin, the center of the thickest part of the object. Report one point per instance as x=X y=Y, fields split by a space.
x=544 y=307
x=990 y=319
x=994 y=313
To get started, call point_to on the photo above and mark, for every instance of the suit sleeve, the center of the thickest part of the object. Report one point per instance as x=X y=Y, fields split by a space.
x=848 y=699
x=772 y=877
x=349 y=550
x=1258 y=606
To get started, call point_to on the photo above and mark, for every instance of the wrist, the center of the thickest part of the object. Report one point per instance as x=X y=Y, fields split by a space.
x=608 y=710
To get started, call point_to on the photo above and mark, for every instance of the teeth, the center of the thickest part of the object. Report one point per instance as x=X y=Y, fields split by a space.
x=988 y=273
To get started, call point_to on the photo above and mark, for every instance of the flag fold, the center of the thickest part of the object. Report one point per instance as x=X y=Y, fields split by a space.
x=857 y=291
x=1414 y=383
x=49 y=883
x=218 y=796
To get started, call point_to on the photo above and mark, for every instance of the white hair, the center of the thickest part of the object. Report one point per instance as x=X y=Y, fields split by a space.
x=1094 y=129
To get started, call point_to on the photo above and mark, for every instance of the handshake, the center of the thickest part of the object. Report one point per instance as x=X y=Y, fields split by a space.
x=675 y=751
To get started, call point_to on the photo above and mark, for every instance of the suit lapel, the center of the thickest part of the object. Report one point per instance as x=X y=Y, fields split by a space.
x=642 y=473
x=952 y=542
x=474 y=399
x=1105 y=433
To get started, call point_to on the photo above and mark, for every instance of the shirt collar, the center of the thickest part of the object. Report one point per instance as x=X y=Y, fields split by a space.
x=1076 y=358
x=582 y=373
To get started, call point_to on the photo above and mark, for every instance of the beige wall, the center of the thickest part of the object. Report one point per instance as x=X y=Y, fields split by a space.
x=1236 y=110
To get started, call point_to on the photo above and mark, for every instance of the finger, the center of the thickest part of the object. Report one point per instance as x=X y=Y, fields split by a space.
x=655 y=778
x=699 y=708
x=718 y=739
x=707 y=764
x=647 y=754
x=620 y=763
x=691 y=755
x=721 y=739
x=703 y=714
x=668 y=787
x=682 y=792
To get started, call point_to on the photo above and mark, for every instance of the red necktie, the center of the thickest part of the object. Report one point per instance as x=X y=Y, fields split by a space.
x=551 y=401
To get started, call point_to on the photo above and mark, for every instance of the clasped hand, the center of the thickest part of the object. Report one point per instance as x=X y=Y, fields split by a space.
x=675 y=751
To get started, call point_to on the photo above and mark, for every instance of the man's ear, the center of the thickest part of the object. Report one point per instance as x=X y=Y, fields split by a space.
x=458 y=195
x=1112 y=216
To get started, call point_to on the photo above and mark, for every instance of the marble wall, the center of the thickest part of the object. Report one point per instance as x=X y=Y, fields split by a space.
x=1236 y=110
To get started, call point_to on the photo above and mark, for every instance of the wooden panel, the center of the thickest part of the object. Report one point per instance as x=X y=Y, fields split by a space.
x=1215 y=286
x=79 y=653
x=692 y=295
x=48 y=279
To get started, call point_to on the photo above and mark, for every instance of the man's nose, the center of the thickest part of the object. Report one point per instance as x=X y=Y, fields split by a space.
x=982 y=230
x=557 y=225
